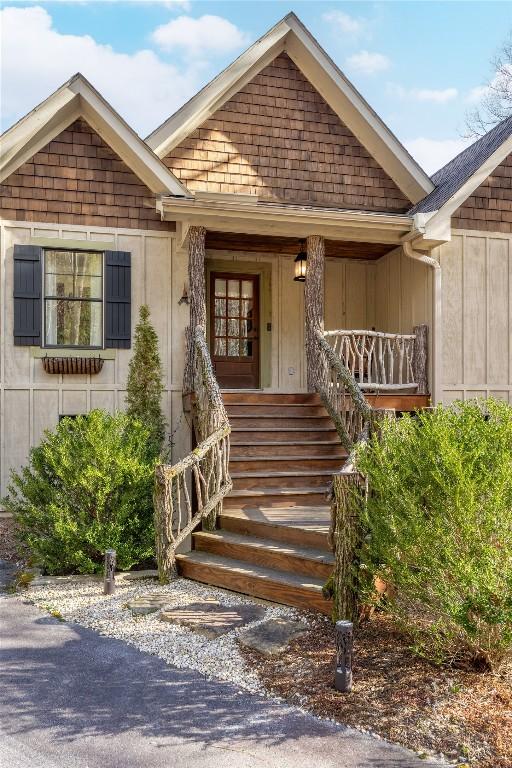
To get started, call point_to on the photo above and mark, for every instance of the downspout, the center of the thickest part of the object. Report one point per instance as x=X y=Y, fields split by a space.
x=436 y=366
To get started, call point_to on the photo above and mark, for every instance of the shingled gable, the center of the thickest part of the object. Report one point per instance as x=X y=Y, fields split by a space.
x=479 y=174
x=289 y=41
x=77 y=99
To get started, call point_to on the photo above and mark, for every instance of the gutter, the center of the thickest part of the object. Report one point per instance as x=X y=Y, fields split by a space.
x=436 y=344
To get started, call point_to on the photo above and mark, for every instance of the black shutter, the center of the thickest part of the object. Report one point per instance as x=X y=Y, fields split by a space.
x=27 y=295
x=118 y=286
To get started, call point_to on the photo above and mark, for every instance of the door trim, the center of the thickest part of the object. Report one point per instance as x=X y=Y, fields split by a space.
x=242 y=359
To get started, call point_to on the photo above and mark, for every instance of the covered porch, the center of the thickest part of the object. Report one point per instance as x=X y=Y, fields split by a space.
x=360 y=285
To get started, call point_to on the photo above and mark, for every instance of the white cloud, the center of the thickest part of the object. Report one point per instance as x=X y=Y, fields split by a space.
x=432 y=154
x=199 y=36
x=349 y=25
x=368 y=63
x=476 y=94
x=433 y=95
x=37 y=59
x=439 y=96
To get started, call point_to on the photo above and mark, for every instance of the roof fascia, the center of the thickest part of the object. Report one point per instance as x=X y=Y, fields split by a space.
x=356 y=113
x=210 y=98
x=253 y=218
x=438 y=222
x=291 y=36
x=75 y=99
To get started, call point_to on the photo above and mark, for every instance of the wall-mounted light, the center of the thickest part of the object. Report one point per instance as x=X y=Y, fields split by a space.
x=184 y=296
x=301 y=263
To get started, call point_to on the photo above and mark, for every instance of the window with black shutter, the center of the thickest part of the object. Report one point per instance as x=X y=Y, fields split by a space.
x=118 y=314
x=72 y=298
x=27 y=295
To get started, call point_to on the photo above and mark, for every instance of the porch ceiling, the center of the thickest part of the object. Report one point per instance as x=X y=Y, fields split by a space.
x=343 y=249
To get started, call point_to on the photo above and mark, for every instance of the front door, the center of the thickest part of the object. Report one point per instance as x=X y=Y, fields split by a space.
x=234 y=329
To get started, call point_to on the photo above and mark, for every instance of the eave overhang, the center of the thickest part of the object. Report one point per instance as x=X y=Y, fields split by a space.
x=259 y=218
x=79 y=99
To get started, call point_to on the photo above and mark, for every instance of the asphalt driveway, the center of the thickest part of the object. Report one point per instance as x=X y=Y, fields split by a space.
x=70 y=698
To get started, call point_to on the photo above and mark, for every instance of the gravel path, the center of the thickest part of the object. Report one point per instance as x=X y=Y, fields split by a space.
x=82 y=601
x=70 y=698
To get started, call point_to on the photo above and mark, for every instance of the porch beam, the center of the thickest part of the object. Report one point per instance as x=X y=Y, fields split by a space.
x=314 y=304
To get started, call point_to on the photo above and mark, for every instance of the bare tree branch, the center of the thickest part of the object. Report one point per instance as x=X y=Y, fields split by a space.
x=496 y=100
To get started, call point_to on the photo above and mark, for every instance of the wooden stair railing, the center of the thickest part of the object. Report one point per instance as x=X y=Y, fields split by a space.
x=354 y=419
x=204 y=471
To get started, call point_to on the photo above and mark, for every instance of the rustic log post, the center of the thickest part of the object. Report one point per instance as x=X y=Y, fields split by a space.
x=314 y=306
x=348 y=496
x=164 y=522
x=197 y=298
x=420 y=358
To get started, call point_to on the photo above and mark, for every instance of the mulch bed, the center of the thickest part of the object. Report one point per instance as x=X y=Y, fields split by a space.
x=9 y=548
x=432 y=710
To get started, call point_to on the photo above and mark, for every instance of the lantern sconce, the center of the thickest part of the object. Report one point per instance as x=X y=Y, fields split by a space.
x=184 y=296
x=301 y=263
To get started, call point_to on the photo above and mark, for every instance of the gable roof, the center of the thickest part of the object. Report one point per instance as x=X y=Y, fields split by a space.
x=452 y=177
x=290 y=36
x=77 y=98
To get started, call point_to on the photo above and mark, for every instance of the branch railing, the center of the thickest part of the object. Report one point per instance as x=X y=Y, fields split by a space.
x=355 y=419
x=191 y=491
x=383 y=361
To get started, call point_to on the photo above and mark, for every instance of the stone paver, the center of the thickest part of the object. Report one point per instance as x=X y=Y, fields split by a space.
x=272 y=636
x=150 y=603
x=211 y=618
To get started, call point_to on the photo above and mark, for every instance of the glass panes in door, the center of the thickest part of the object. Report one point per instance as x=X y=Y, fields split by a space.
x=233 y=317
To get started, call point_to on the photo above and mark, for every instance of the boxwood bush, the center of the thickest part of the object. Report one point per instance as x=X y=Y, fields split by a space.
x=438 y=525
x=86 y=487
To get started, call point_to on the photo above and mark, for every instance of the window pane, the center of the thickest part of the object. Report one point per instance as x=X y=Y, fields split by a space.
x=73 y=323
x=245 y=348
x=220 y=287
x=233 y=328
x=220 y=307
x=220 y=327
x=246 y=308
x=233 y=307
x=247 y=289
x=233 y=288
x=233 y=347
x=220 y=347
x=73 y=286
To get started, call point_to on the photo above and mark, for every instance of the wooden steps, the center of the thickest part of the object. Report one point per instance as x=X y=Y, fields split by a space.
x=272 y=538
x=240 y=576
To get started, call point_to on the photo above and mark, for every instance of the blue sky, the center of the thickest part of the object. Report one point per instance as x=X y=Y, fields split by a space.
x=419 y=64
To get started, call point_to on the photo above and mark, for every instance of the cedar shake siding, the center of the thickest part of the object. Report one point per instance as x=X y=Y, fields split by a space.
x=490 y=206
x=78 y=179
x=279 y=139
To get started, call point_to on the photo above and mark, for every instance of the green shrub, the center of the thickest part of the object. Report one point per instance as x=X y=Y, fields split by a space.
x=438 y=527
x=144 y=387
x=87 y=487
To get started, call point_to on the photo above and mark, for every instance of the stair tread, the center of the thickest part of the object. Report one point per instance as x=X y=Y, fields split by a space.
x=278 y=491
x=271 y=473
x=267 y=403
x=323 y=416
x=256 y=542
x=289 y=442
x=302 y=457
x=283 y=429
x=254 y=571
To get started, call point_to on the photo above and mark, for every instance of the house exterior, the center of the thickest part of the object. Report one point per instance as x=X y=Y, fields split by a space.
x=279 y=154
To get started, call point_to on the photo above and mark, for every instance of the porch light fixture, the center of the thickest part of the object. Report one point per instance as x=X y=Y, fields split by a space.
x=301 y=263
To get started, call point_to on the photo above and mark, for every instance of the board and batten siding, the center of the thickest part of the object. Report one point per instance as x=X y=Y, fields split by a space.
x=477 y=315
x=349 y=303
x=31 y=400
